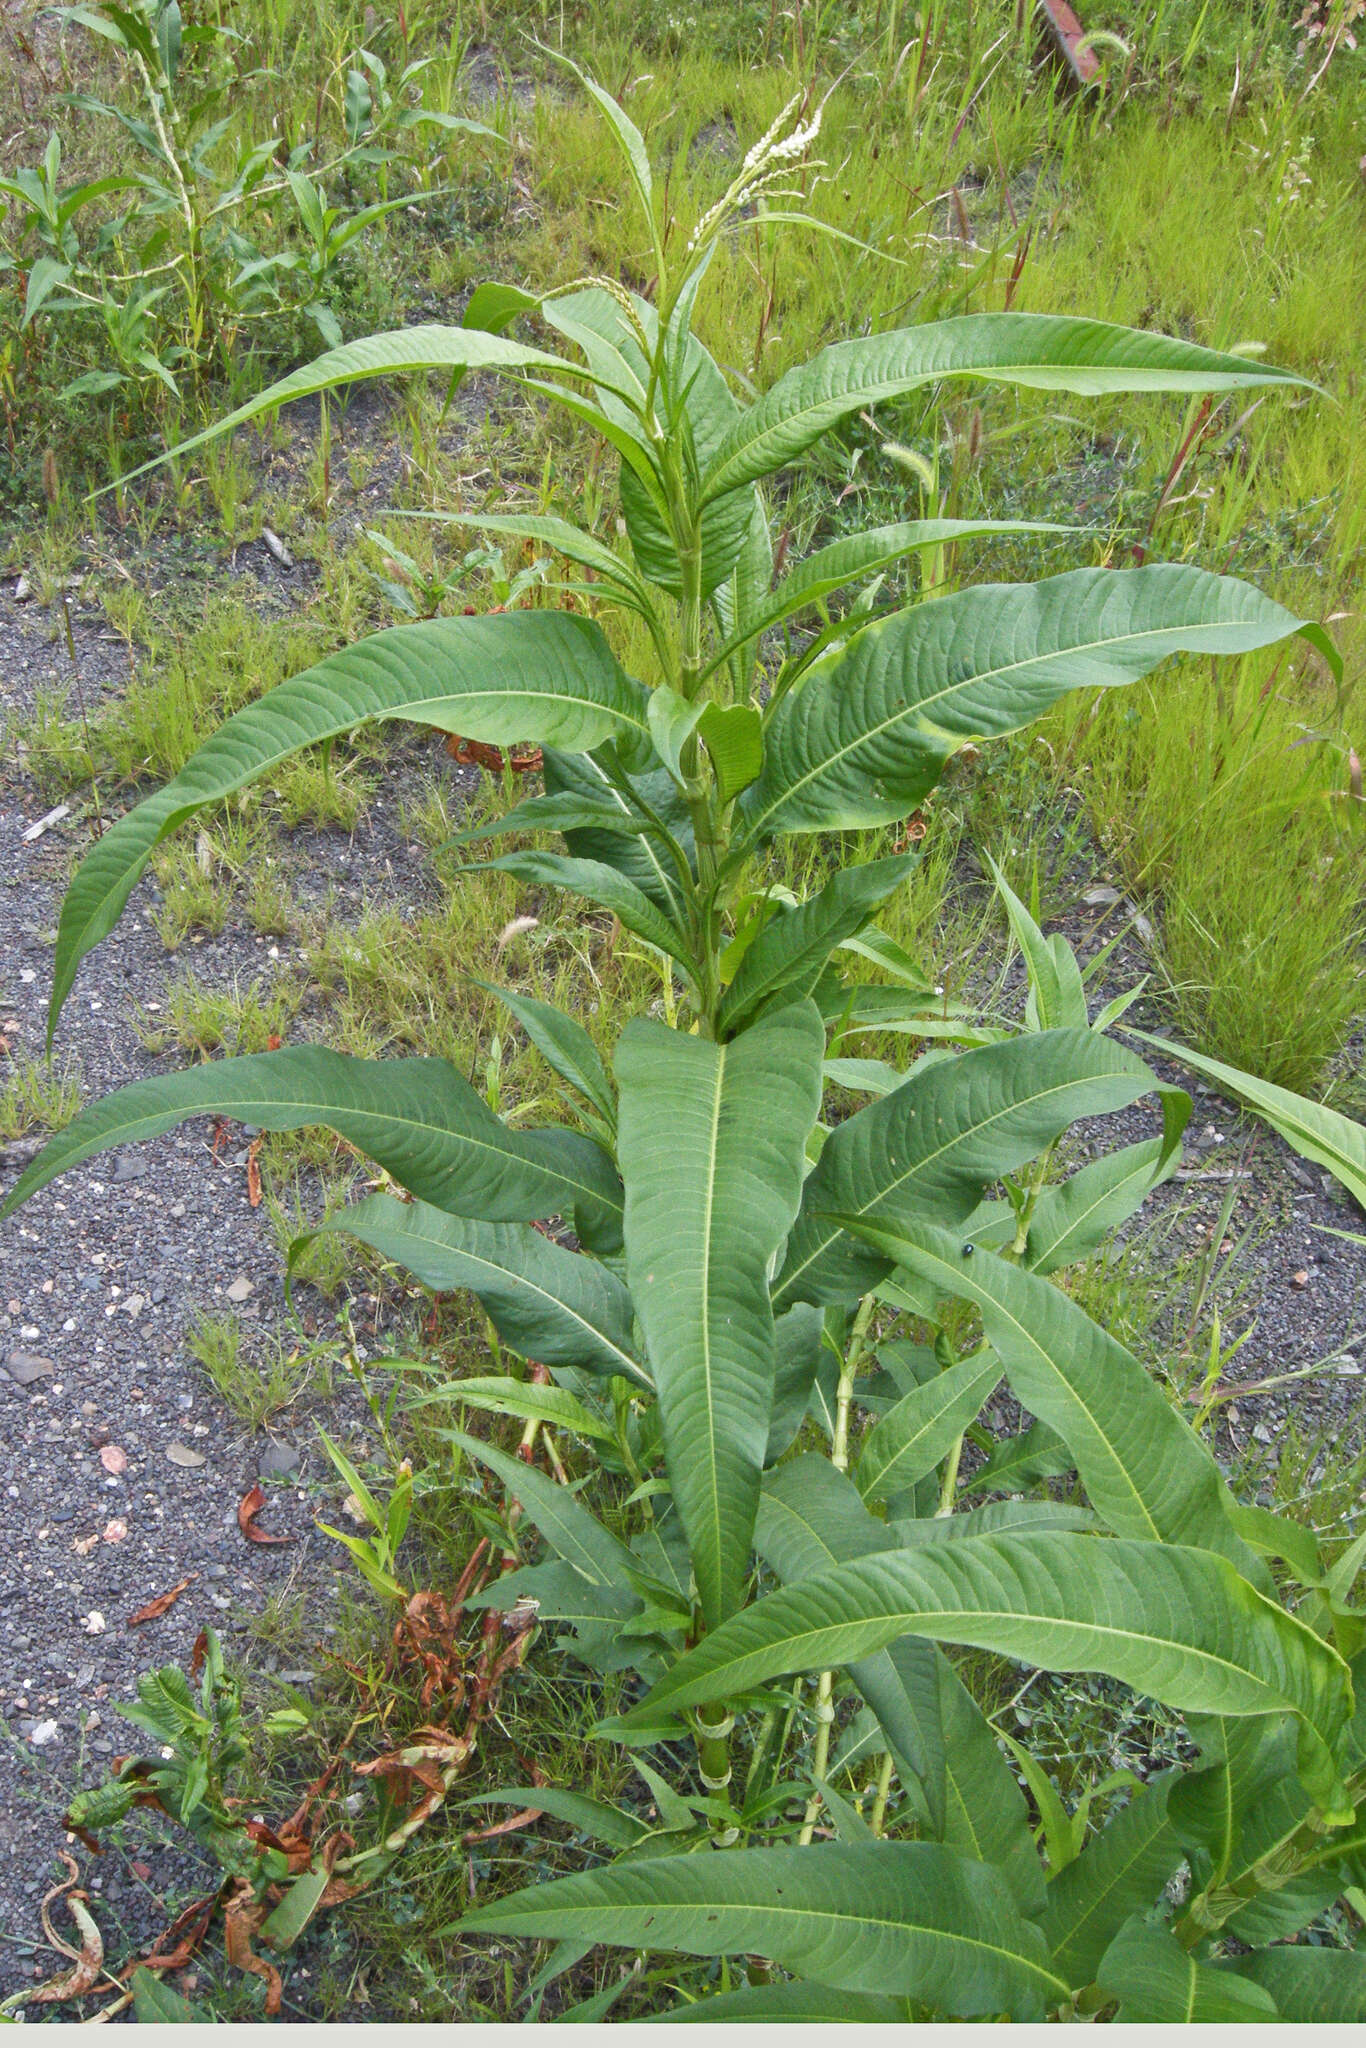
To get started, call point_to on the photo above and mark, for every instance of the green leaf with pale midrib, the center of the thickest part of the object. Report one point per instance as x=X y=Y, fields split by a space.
x=418 y=1118
x=547 y=1303
x=529 y=675
x=1158 y=1982
x=863 y=554
x=1316 y=1132
x=1178 y=1625
x=428 y=346
x=935 y=1143
x=899 y=1917
x=1145 y=1471
x=1310 y=1986
x=712 y=1147
x=913 y=1436
x=1049 y=352
x=865 y=736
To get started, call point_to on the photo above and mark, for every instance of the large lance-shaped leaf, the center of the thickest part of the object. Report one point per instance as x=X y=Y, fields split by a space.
x=1310 y=1986
x=900 y=1918
x=1155 y=1980
x=1178 y=1625
x=1316 y=1132
x=789 y=955
x=913 y=1436
x=429 y=346
x=526 y=675
x=932 y=1146
x=1045 y=351
x=419 y=1119
x=863 y=554
x=1144 y=1469
x=547 y=1303
x=866 y=735
x=1121 y=1871
x=712 y=1146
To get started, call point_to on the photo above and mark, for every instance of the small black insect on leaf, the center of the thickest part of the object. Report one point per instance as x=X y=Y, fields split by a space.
x=968 y=1250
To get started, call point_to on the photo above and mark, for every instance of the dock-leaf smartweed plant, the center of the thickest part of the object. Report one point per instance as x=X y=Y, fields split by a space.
x=804 y=1555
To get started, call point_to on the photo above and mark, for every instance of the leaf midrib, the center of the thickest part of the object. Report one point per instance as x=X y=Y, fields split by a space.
x=919 y=709
x=929 y=1159
x=123 y=1134
x=835 y=1918
x=557 y=1301
x=1016 y=1616
x=716 y=484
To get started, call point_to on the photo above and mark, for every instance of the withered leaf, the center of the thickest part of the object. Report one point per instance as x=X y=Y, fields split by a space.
x=163 y=1603
x=248 y=1508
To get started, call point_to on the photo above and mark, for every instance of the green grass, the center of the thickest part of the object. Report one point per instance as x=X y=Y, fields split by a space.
x=37 y=1095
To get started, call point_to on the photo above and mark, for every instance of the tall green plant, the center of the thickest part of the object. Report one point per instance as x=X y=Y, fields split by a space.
x=741 y=1264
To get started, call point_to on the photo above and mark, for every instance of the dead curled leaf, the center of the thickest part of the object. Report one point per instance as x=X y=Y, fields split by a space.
x=248 y=1508
x=242 y=1917
x=254 y=1173
x=88 y=1960
x=163 y=1603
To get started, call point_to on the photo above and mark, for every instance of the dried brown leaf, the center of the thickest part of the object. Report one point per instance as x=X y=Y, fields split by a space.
x=248 y=1508
x=163 y=1603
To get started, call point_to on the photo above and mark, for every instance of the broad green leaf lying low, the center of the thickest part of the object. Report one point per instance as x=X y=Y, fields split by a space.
x=530 y=675
x=1178 y=1625
x=418 y=1118
x=898 y=1918
x=867 y=734
x=712 y=1147
x=1044 y=351
x=547 y=1303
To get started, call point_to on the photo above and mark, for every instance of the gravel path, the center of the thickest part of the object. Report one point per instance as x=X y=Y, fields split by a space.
x=120 y=1469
